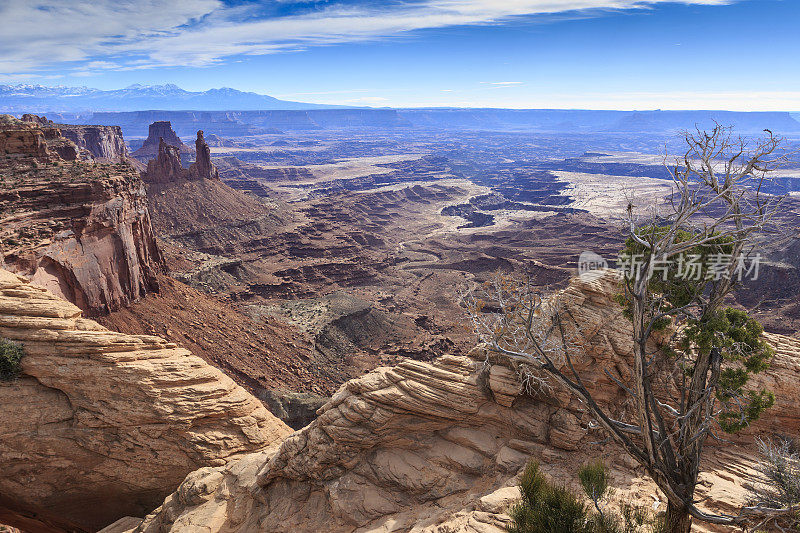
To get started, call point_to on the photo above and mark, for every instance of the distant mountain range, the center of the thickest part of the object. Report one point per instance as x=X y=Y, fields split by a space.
x=40 y=99
x=229 y=112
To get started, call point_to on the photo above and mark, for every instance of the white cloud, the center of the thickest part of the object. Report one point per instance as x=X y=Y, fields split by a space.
x=37 y=33
x=501 y=84
x=40 y=34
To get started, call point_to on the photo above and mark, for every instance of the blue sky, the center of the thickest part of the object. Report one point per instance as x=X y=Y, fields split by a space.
x=609 y=54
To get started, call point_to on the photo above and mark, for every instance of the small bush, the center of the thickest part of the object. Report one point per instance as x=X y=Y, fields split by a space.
x=547 y=508
x=594 y=480
x=780 y=467
x=10 y=356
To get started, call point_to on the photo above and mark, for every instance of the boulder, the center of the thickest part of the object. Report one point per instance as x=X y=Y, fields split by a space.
x=101 y=425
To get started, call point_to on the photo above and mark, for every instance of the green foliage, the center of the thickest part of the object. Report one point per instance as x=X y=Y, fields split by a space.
x=736 y=338
x=672 y=281
x=547 y=508
x=594 y=480
x=636 y=518
x=10 y=356
x=729 y=333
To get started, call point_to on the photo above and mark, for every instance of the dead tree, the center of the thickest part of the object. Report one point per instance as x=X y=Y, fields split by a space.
x=692 y=356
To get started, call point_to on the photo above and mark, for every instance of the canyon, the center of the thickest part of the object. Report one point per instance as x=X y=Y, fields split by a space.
x=277 y=340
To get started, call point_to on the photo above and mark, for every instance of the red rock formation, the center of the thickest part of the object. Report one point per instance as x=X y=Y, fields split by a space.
x=36 y=119
x=203 y=168
x=104 y=143
x=80 y=228
x=17 y=137
x=93 y=142
x=166 y=167
x=151 y=147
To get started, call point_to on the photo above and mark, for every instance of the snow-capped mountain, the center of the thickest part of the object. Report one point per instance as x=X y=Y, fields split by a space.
x=169 y=97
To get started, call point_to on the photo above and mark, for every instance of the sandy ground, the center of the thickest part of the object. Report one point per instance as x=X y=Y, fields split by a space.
x=608 y=196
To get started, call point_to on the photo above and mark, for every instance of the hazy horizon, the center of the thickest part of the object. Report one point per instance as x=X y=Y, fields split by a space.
x=332 y=105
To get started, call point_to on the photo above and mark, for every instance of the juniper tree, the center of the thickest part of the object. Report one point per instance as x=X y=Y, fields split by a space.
x=693 y=356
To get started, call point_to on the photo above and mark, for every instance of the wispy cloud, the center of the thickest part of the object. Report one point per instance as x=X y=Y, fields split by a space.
x=501 y=84
x=99 y=35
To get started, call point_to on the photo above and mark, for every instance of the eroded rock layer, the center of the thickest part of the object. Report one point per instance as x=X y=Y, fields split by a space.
x=80 y=228
x=99 y=424
x=167 y=167
x=157 y=131
x=104 y=143
x=432 y=447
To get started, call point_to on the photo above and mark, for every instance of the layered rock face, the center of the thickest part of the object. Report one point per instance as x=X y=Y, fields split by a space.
x=100 y=424
x=29 y=117
x=104 y=143
x=167 y=168
x=82 y=229
x=17 y=137
x=433 y=447
x=152 y=145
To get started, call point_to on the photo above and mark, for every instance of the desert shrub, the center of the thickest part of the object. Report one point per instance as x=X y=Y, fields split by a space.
x=594 y=480
x=775 y=499
x=10 y=356
x=548 y=508
x=780 y=467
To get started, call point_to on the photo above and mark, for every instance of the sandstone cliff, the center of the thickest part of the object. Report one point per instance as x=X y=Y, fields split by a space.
x=433 y=447
x=203 y=168
x=166 y=167
x=104 y=143
x=100 y=424
x=80 y=228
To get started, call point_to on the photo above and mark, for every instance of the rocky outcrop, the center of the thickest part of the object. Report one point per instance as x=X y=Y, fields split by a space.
x=99 y=424
x=36 y=119
x=167 y=168
x=432 y=447
x=82 y=229
x=72 y=142
x=203 y=168
x=103 y=143
x=152 y=145
x=17 y=137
